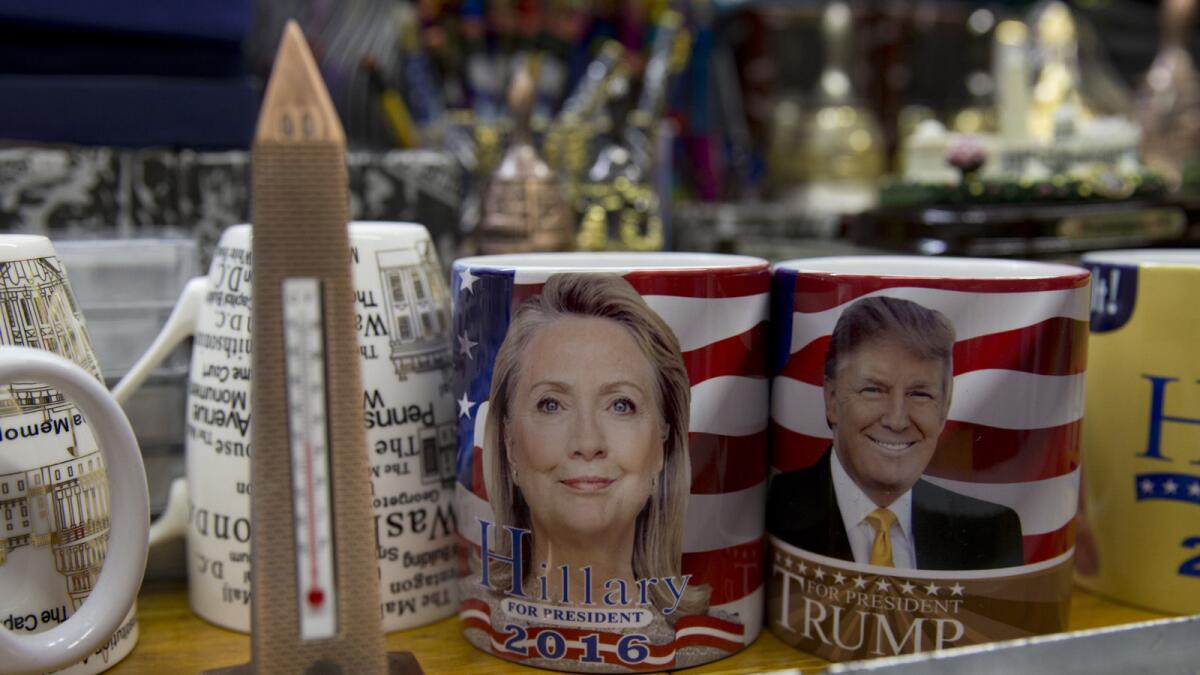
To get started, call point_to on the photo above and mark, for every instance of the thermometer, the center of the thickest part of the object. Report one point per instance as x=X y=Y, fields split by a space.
x=304 y=355
x=315 y=605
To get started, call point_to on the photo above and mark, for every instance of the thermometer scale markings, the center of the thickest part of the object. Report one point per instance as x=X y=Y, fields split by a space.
x=304 y=347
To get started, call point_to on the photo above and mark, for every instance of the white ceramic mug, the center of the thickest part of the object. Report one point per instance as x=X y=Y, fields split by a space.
x=403 y=314
x=61 y=433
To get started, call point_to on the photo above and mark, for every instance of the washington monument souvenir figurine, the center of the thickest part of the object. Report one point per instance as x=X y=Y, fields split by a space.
x=315 y=605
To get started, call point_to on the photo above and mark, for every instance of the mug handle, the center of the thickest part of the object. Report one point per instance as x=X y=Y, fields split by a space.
x=129 y=514
x=180 y=325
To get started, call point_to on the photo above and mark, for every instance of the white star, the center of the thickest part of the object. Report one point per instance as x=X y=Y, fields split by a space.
x=788 y=562
x=860 y=582
x=467 y=281
x=466 y=345
x=907 y=587
x=1170 y=486
x=819 y=575
x=464 y=406
x=882 y=585
x=932 y=588
x=1147 y=486
x=778 y=558
x=956 y=589
x=802 y=569
x=1194 y=489
x=839 y=578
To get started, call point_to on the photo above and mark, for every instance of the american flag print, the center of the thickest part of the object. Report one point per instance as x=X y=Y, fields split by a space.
x=720 y=317
x=1013 y=430
x=690 y=632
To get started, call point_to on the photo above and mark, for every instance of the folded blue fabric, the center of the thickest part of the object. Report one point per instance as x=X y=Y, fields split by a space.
x=129 y=111
x=222 y=20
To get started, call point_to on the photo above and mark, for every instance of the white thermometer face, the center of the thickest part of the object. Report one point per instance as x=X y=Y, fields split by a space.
x=304 y=346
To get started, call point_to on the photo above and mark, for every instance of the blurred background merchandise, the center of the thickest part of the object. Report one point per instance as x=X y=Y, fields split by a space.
x=832 y=111
x=779 y=128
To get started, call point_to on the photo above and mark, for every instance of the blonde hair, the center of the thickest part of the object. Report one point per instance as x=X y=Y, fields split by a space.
x=926 y=333
x=658 y=536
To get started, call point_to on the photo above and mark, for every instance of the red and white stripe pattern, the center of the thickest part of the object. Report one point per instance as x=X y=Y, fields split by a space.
x=1012 y=436
x=690 y=631
x=721 y=322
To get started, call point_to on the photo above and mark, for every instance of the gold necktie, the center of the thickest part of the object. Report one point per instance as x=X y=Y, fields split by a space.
x=881 y=550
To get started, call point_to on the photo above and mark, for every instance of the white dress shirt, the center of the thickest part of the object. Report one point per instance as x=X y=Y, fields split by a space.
x=855 y=505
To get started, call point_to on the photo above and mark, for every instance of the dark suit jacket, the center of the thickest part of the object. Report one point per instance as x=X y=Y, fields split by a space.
x=951 y=531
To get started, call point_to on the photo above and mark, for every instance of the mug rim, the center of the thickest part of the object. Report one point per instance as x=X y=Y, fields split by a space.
x=613 y=262
x=355 y=228
x=933 y=268
x=14 y=247
x=1147 y=257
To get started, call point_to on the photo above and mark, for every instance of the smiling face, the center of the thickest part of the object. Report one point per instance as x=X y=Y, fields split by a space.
x=584 y=433
x=887 y=408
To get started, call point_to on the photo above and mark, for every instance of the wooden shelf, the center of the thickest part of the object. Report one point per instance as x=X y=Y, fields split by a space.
x=175 y=640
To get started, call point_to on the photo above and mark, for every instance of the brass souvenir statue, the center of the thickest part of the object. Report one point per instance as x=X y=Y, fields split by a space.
x=668 y=56
x=617 y=207
x=1168 y=107
x=844 y=153
x=568 y=141
x=1057 y=99
x=524 y=210
x=1011 y=73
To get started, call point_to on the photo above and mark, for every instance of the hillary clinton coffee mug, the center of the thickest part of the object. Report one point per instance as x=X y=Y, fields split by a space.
x=612 y=414
x=73 y=501
x=925 y=419
x=1141 y=433
x=402 y=315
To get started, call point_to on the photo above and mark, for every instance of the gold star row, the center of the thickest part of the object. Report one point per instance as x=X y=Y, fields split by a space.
x=881 y=583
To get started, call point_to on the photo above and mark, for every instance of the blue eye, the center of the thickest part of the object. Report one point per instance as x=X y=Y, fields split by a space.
x=549 y=405
x=624 y=406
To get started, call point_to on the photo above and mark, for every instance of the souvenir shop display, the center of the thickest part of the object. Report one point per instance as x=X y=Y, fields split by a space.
x=600 y=336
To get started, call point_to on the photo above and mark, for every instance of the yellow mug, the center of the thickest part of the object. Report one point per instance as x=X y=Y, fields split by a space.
x=1139 y=526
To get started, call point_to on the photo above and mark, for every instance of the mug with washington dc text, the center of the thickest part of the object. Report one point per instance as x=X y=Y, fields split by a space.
x=402 y=317
x=612 y=430
x=925 y=420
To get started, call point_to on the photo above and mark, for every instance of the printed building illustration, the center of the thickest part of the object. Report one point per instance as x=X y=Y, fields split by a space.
x=438 y=450
x=63 y=506
x=37 y=310
x=417 y=303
